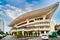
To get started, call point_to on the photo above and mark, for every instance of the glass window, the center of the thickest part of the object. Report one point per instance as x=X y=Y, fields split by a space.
x=22 y=23
x=31 y=21
x=39 y=19
x=47 y=31
x=42 y=31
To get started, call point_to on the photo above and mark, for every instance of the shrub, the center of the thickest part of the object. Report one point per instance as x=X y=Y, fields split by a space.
x=54 y=34
x=18 y=34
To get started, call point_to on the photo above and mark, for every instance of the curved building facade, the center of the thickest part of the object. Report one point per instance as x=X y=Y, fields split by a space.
x=35 y=23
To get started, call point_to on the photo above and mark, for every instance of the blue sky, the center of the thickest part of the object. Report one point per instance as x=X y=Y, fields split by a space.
x=10 y=9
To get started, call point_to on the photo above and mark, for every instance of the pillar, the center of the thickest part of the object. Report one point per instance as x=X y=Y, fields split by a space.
x=44 y=32
x=37 y=33
x=23 y=33
x=44 y=17
x=33 y=34
x=40 y=33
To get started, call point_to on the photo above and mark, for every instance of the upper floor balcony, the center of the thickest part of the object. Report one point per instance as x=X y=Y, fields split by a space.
x=32 y=29
x=36 y=23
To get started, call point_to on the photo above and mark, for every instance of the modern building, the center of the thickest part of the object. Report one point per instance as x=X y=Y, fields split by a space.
x=35 y=23
x=1 y=25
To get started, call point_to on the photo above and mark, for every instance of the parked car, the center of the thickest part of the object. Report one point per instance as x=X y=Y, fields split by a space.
x=1 y=36
x=4 y=35
x=44 y=37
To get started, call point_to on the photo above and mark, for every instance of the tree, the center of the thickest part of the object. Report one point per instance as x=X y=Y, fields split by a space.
x=19 y=34
x=30 y=33
x=7 y=33
x=58 y=32
x=1 y=32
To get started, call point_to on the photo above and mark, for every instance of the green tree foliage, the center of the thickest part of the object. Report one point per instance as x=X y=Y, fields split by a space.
x=19 y=33
x=1 y=32
x=58 y=32
x=7 y=33
x=26 y=33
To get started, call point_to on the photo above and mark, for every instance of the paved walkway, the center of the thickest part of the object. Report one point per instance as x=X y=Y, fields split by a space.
x=26 y=38
x=9 y=38
x=14 y=38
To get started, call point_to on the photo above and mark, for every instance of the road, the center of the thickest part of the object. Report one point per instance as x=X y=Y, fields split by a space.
x=28 y=38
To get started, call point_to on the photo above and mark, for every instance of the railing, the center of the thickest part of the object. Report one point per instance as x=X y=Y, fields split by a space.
x=37 y=21
x=41 y=25
x=32 y=29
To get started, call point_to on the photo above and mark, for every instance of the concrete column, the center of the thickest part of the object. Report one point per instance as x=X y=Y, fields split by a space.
x=37 y=33
x=33 y=34
x=27 y=20
x=40 y=33
x=28 y=34
x=44 y=32
x=23 y=33
x=13 y=34
x=44 y=17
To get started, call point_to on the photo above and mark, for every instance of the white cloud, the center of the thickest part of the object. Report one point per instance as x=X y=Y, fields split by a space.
x=1 y=6
x=13 y=13
x=10 y=13
x=12 y=7
x=30 y=6
x=1 y=13
x=16 y=11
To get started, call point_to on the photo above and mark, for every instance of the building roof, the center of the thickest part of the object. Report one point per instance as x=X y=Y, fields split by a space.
x=47 y=10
